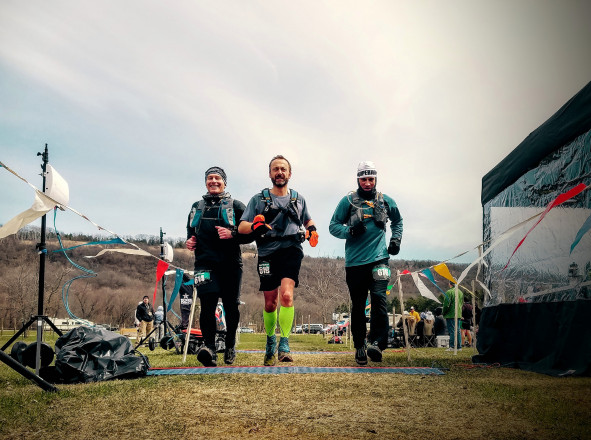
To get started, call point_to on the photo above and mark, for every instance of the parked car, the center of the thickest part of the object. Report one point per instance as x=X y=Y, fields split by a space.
x=298 y=329
x=316 y=328
x=311 y=328
x=245 y=330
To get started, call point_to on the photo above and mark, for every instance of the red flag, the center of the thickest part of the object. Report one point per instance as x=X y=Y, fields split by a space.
x=557 y=201
x=160 y=269
x=404 y=272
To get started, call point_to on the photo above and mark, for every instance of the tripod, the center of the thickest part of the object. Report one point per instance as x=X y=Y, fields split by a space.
x=40 y=318
x=168 y=328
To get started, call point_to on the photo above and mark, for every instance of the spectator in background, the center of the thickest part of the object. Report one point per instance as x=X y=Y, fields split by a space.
x=144 y=313
x=415 y=315
x=158 y=318
x=451 y=311
x=439 y=326
x=467 y=315
x=429 y=322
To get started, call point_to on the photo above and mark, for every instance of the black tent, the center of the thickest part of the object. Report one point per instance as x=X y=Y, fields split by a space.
x=536 y=312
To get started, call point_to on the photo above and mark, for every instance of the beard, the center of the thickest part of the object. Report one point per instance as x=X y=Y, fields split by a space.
x=280 y=184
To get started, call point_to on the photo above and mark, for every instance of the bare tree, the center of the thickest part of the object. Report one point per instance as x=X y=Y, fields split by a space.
x=323 y=279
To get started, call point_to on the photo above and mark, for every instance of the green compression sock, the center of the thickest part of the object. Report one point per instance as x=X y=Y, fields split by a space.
x=286 y=321
x=270 y=319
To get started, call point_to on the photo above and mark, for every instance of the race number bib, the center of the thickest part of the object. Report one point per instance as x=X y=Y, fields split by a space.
x=381 y=272
x=202 y=277
x=264 y=269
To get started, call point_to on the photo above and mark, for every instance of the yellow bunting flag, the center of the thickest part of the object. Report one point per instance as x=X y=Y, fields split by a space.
x=442 y=270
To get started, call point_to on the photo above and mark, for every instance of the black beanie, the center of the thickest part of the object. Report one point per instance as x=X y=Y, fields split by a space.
x=217 y=170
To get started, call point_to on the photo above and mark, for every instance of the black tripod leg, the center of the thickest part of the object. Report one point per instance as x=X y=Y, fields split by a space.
x=175 y=338
x=52 y=325
x=20 y=332
x=46 y=386
x=146 y=338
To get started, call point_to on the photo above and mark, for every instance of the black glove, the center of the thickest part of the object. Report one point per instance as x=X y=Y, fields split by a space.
x=259 y=227
x=358 y=229
x=394 y=246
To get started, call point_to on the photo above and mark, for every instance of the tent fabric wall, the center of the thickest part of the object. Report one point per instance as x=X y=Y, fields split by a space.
x=550 y=338
x=540 y=302
x=573 y=119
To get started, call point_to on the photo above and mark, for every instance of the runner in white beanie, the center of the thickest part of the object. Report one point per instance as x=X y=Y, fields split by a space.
x=360 y=219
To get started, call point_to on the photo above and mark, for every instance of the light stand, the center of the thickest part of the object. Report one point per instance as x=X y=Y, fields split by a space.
x=40 y=317
x=168 y=328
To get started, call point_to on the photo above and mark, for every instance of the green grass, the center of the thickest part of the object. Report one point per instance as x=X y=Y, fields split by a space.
x=465 y=403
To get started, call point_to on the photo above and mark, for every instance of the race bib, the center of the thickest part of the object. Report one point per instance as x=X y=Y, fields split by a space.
x=264 y=269
x=202 y=277
x=381 y=272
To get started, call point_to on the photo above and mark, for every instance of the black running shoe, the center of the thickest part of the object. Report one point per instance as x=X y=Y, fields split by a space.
x=361 y=356
x=229 y=355
x=207 y=357
x=374 y=352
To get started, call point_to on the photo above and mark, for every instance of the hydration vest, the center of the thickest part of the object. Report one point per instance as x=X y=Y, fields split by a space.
x=226 y=209
x=380 y=214
x=291 y=211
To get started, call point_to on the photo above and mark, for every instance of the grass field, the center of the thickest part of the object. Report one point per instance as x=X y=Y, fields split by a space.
x=467 y=402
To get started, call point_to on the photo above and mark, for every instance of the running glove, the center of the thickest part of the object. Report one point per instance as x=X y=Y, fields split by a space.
x=259 y=227
x=358 y=229
x=394 y=246
x=312 y=235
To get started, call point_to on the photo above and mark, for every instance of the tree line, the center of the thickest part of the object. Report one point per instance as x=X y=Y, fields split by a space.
x=110 y=294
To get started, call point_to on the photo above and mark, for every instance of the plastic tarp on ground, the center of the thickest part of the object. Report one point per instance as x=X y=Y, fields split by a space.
x=535 y=298
x=86 y=354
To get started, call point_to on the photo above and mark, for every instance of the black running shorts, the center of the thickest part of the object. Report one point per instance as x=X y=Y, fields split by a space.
x=283 y=263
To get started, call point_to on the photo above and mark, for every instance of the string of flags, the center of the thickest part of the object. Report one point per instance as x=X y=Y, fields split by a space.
x=43 y=203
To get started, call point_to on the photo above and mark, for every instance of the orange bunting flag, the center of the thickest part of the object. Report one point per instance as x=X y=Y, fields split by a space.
x=160 y=269
x=442 y=270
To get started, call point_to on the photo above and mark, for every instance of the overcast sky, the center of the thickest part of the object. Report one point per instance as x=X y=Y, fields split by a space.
x=136 y=99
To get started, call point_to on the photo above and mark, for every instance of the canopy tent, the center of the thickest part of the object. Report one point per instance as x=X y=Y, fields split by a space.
x=536 y=317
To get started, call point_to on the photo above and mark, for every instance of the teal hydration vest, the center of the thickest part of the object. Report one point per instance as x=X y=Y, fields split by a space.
x=226 y=212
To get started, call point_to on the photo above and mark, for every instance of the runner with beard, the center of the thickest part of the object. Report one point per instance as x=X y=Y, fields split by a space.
x=360 y=218
x=279 y=219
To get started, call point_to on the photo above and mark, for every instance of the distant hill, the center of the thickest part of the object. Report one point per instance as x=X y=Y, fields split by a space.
x=117 y=282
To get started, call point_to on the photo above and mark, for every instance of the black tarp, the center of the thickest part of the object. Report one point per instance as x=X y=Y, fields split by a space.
x=572 y=120
x=550 y=338
x=86 y=354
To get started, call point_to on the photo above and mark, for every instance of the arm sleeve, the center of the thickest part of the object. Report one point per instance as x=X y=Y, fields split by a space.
x=338 y=227
x=394 y=216
x=445 y=304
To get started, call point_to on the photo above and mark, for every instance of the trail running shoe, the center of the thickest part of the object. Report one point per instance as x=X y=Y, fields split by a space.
x=361 y=355
x=374 y=352
x=270 y=358
x=229 y=355
x=283 y=351
x=207 y=357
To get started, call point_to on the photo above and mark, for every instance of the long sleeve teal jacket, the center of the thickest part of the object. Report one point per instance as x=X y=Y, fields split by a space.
x=370 y=246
